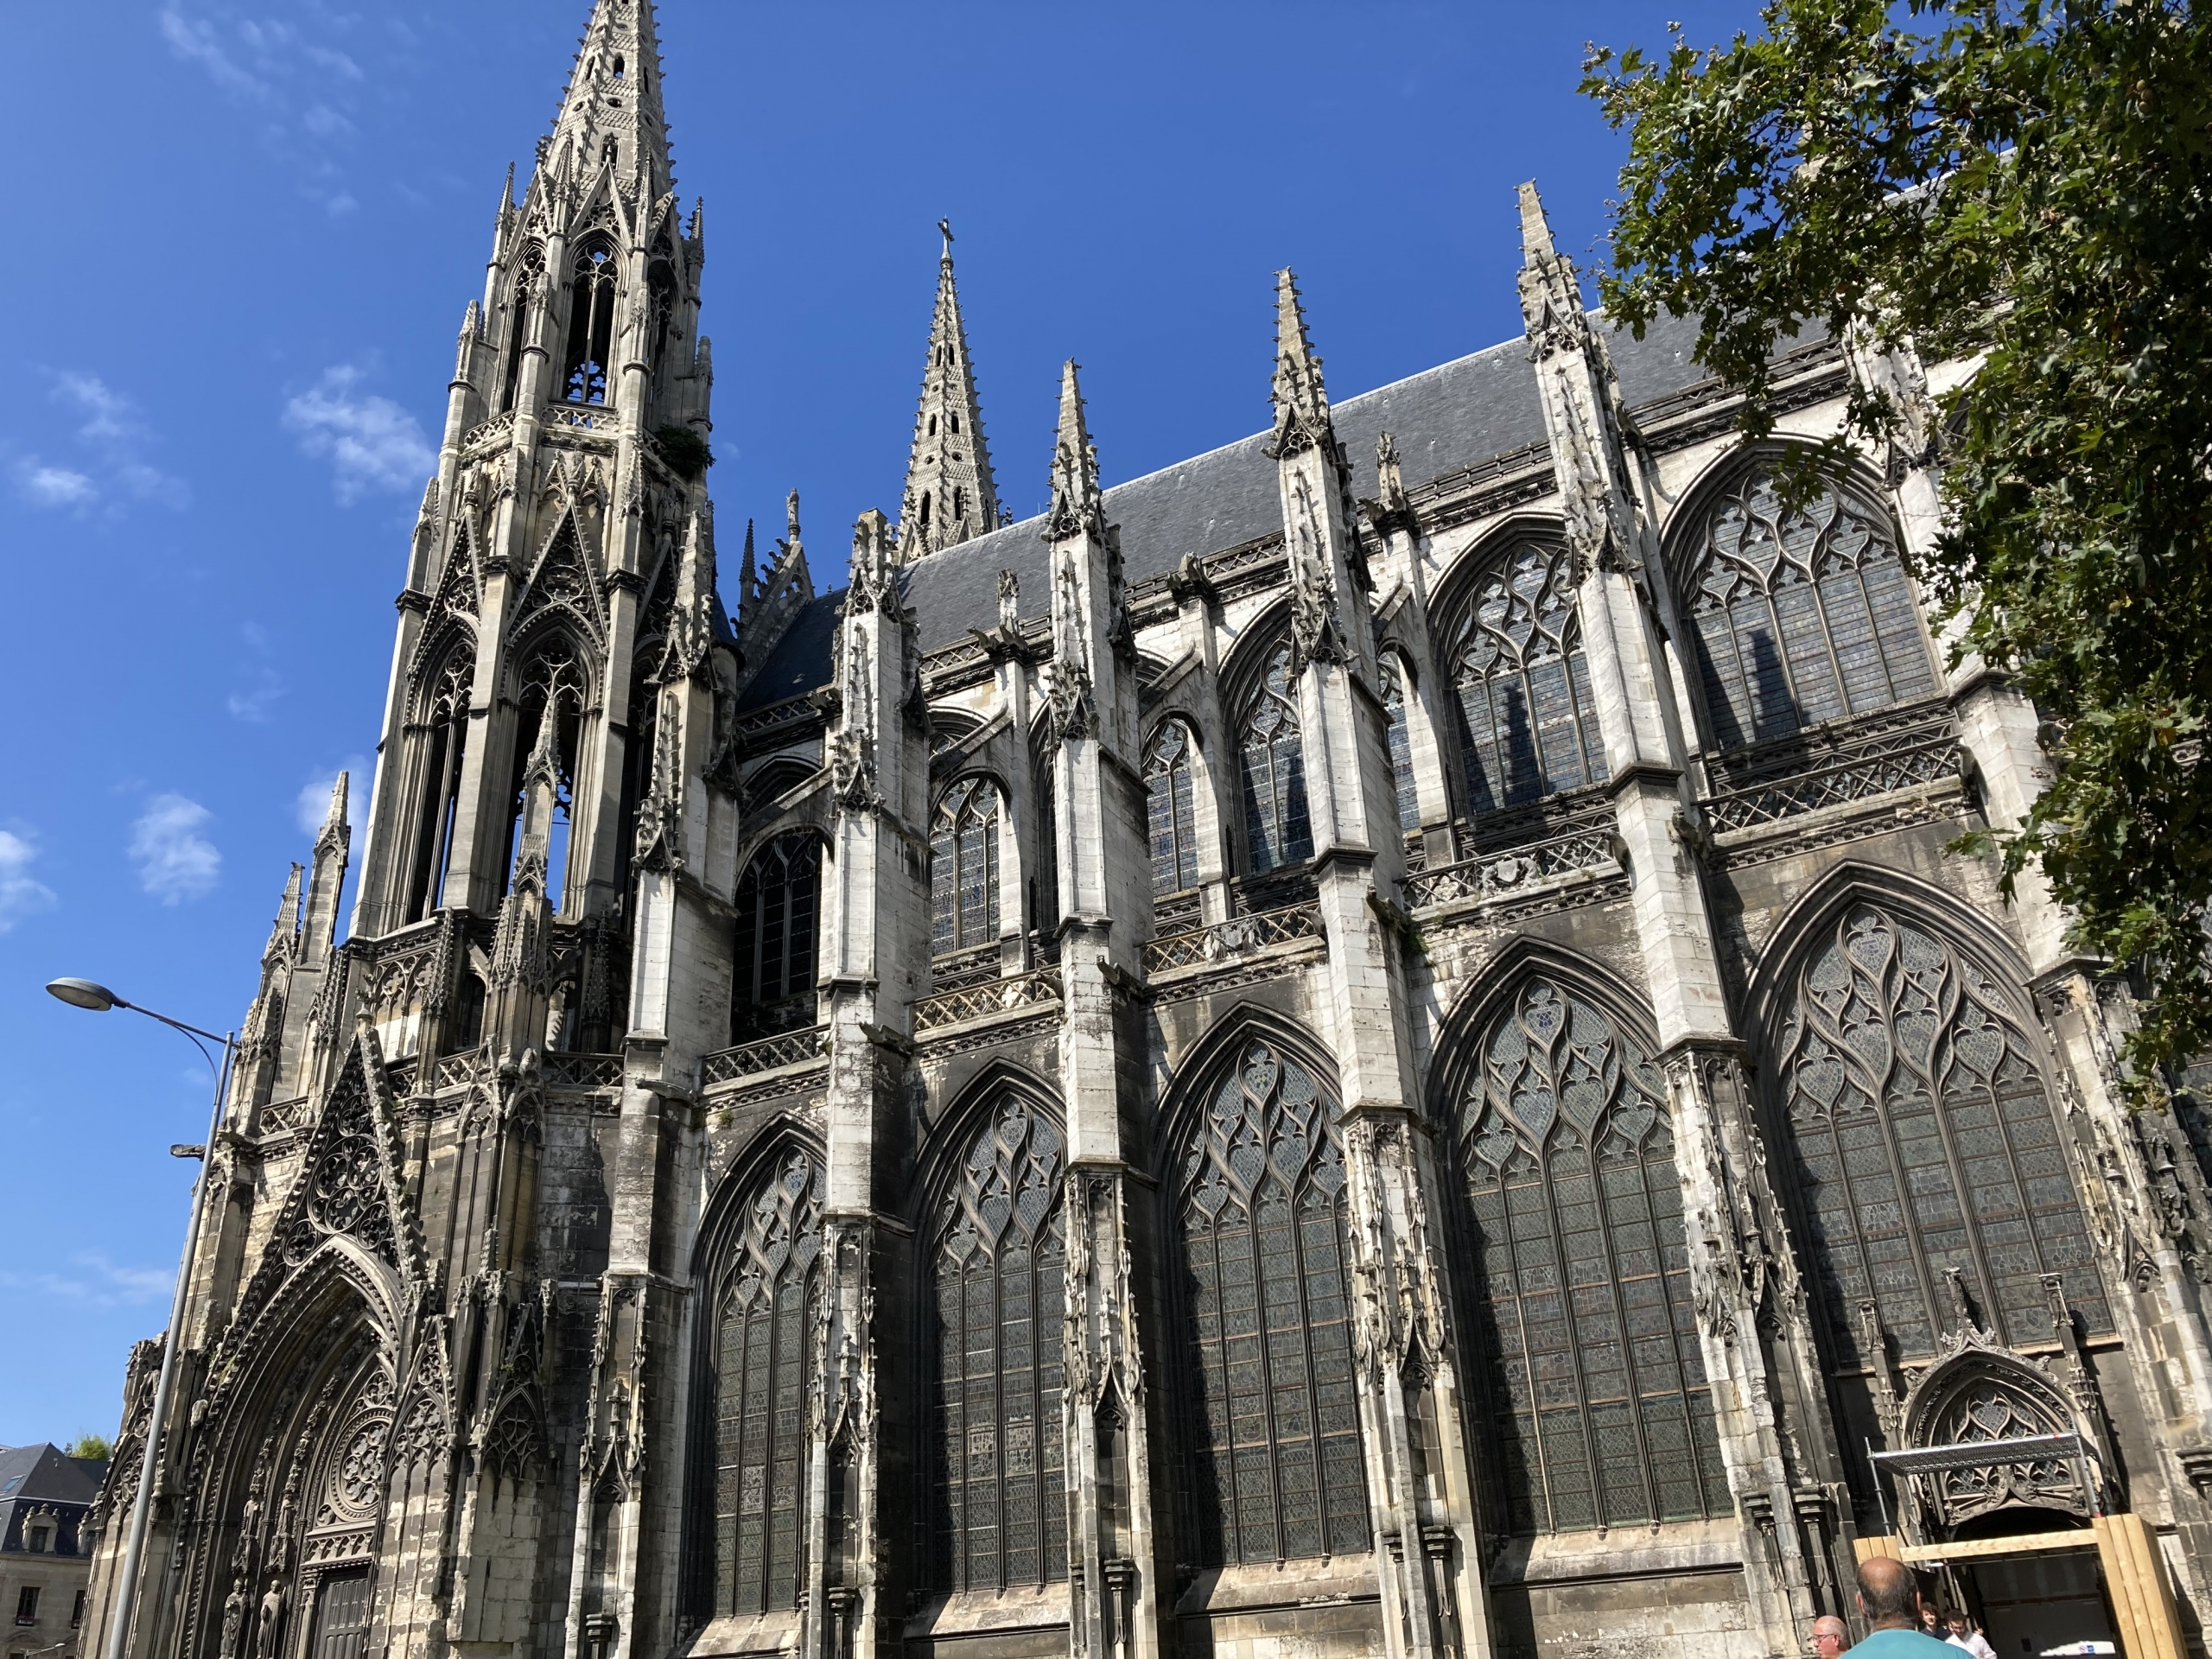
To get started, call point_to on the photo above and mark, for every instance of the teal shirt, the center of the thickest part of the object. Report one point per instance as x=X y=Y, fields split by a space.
x=1902 y=1645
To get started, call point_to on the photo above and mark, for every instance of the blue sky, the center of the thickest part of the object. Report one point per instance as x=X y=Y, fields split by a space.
x=246 y=235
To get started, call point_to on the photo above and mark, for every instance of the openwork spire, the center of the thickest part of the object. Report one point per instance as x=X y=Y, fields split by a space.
x=611 y=113
x=949 y=495
x=1301 y=402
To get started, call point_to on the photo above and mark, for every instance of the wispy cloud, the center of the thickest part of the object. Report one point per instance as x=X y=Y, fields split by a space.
x=110 y=468
x=312 y=805
x=96 y=1280
x=289 y=75
x=374 y=446
x=175 y=861
x=20 y=894
x=260 y=687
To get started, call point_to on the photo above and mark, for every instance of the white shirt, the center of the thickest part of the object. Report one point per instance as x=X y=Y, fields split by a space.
x=1974 y=1643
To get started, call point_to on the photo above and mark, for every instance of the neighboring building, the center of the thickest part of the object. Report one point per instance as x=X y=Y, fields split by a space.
x=46 y=1497
x=1364 y=1044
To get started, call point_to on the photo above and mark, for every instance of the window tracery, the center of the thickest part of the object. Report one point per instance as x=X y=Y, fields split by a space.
x=964 y=867
x=591 y=324
x=1274 y=1469
x=1399 y=738
x=445 y=715
x=526 y=297
x=998 y=1278
x=1528 y=718
x=762 y=1361
x=1802 y=615
x=552 y=684
x=1172 y=808
x=1280 y=829
x=1583 y=1318
x=776 y=919
x=1924 y=1142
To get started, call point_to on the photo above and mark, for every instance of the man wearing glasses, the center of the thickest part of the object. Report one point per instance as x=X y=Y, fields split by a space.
x=1829 y=1637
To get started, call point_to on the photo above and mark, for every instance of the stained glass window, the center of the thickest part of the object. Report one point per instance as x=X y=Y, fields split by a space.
x=1925 y=1141
x=776 y=922
x=1801 y=616
x=1173 y=804
x=760 y=1358
x=1586 y=1333
x=998 y=1277
x=1402 y=747
x=1274 y=771
x=591 y=325
x=1529 y=722
x=1274 y=1470
x=964 y=867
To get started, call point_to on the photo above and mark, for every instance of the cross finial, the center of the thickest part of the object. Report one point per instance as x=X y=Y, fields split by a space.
x=945 y=229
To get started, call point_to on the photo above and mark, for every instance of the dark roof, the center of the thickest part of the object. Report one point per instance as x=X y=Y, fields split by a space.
x=1458 y=415
x=46 y=1472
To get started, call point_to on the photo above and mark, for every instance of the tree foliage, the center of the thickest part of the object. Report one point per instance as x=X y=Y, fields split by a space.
x=2021 y=187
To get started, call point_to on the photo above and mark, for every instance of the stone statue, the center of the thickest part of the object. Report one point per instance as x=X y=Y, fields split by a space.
x=272 y=1619
x=233 y=1618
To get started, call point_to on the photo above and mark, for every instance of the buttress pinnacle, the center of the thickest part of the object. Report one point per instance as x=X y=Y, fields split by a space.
x=950 y=494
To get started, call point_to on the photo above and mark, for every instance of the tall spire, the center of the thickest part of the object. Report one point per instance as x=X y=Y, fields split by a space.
x=1551 y=298
x=949 y=495
x=610 y=108
x=1076 y=499
x=1301 y=402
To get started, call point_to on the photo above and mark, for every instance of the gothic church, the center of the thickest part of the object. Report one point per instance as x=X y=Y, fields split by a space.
x=1363 y=1045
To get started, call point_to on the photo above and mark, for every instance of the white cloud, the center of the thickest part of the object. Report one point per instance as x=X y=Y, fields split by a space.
x=98 y=1282
x=175 y=861
x=312 y=805
x=113 y=469
x=373 y=445
x=196 y=40
x=20 y=895
x=52 y=486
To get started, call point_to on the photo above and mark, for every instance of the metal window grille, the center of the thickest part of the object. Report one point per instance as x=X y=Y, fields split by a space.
x=1273 y=1470
x=1583 y=1316
x=1801 y=616
x=1274 y=760
x=1924 y=1141
x=761 y=1351
x=964 y=867
x=998 y=1277
x=1529 y=718
x=1173 y=807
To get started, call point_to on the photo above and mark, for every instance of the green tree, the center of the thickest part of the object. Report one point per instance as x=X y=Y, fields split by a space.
x=2024 y=187
x=89 y=1444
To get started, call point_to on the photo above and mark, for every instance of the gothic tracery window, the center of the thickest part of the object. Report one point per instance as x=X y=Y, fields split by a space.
x=550 y=686
x=445 y=715
x=1273 y=1431
x=1925 y=1141
x=1529 y=722
x=526 y=298
x=997 y=1271
x=1172 y=808
x=766 y=1294
x=776 y=915
x=1801 y=616
x=1583 y=1316
x=964 y=867
x=1399 y=738
x=1279 y=830
x=591 y=325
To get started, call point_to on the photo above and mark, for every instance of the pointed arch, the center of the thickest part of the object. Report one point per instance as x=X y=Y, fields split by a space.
x=1256 y=1212
x=1574 y=1283
x=1794 y=617
x=1400 y=707
x=1175 y=790
x=1977 y=1392
x=758 y=1264
x=594 y=279
x=1260 y=704
x=1910 y=1096
x=778 y=904
x=967 y=832
x=436 y=748
x=993 y=1241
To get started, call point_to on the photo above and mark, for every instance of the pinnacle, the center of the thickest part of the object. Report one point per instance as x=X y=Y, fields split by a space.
x=333 y=821
x=950 y=494
x=612 y=100
x=1298 y=392
x=1074 y=467
x=1074 y=437
x=1536 y=228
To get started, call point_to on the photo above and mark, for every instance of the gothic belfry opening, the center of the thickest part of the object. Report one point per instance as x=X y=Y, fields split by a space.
x=1365 y=1044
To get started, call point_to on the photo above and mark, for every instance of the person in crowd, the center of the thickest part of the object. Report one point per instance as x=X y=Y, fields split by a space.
x=1829 y=1637
x=1888 y=1600
x=1963 y=1635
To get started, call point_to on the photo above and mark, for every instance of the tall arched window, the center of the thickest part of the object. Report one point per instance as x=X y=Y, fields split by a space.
x=529 y=276
x=591 y=325
x=764 y=1297
x=1172 y=804
x=774 y=959
x=964 y=867
x=997 y=1270
x=1801 y=616
x=1273 y=760
x=550 y=685
x=1925 y=1141
x=1529 y=722
x=1582 y=1317
x=445 y=716
x=1272 y=1432
x=1401 y=746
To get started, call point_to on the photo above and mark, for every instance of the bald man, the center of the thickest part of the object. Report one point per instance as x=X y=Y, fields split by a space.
x=1829 y=1637
x=1888 y=1600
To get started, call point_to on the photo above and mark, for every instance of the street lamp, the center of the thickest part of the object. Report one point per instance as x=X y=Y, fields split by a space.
x=98 y=999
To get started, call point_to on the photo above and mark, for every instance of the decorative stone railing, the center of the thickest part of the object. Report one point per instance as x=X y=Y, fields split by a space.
x=283 y=1116
x=580 y=1070
x=1586 y=842
x=485 y=431
x=767 y=1054
x=588 y=417
x=455 y=1070
x=993 y=996
x=1823 y=768
x=1237 y=937
x=958 y=970
x=400 y=1074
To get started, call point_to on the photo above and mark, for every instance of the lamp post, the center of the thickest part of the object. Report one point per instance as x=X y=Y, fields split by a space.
x=84 y=993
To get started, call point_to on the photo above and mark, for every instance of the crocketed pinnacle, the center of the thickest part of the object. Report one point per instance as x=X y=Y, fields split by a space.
x=950 y=494
x=1551 y=299
x=1301 y=402
x=1075 y=466
x=611 y=110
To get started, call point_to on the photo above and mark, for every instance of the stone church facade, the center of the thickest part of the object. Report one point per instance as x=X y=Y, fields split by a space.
x=1367 y=1045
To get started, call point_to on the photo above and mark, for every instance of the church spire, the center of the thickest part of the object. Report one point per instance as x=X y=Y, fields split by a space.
x=1301 y=402
x=611 y=110
x=950 y=492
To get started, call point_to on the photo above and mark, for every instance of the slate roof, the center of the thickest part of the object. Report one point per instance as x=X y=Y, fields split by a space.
x=1455 y=415
x=46 y=1471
